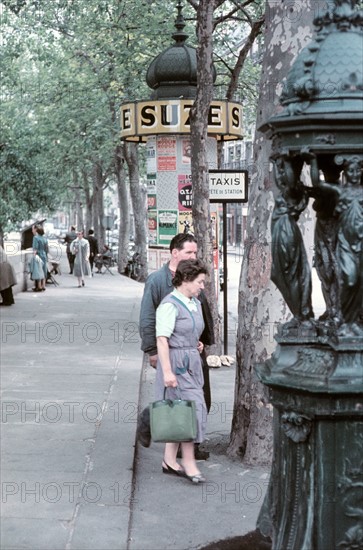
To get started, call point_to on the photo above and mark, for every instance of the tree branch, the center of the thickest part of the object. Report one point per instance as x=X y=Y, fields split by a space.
x=255 y=31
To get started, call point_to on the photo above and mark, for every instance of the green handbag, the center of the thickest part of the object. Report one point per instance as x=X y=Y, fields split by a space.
x=173 y=420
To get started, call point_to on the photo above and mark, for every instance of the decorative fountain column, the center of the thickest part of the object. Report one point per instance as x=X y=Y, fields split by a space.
x=315 y=376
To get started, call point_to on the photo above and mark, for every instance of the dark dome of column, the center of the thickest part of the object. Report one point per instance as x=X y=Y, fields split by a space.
x=173 y=73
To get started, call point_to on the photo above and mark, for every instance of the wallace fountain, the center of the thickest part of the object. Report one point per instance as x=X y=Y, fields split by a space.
x=315 y=376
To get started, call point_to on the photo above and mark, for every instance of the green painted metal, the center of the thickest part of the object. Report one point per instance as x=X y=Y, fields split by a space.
x=315 y=376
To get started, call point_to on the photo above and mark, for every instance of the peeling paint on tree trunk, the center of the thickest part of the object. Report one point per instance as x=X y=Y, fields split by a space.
x=260 y=306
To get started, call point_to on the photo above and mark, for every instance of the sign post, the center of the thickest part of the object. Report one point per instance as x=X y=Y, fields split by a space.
x=227 y=186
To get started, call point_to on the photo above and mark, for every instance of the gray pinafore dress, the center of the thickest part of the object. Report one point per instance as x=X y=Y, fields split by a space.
x=80 y=248
x=185 y=361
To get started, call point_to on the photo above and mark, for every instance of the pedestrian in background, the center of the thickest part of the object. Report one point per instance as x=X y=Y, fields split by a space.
x=68 y=239
x=93 y=247
x=104 y=258
x=36 y=271
x=179 y=325
x=81 y=250
x=40 y=248
x=7 y=280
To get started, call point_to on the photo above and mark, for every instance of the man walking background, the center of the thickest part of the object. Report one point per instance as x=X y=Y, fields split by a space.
x=68 y=239
x=93 y=247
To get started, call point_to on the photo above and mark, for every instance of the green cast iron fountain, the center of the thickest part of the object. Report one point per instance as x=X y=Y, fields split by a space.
x=315 y=376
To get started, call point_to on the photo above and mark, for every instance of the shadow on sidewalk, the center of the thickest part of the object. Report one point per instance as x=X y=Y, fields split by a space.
x=252 y=541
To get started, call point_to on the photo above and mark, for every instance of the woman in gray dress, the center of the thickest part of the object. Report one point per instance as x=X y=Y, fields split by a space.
x=80 y=248
x=40 y=248
x=179 y=324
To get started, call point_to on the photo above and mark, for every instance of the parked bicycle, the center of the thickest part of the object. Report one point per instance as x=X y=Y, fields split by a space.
x=133 y=266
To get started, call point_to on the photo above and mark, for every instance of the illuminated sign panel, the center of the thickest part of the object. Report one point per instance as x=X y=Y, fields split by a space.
x=146 y=118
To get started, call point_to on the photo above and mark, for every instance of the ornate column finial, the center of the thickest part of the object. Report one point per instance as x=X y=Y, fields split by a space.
x=180 y=36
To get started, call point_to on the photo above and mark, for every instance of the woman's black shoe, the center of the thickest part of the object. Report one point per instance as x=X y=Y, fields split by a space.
x=169 y=470
x=197 y=478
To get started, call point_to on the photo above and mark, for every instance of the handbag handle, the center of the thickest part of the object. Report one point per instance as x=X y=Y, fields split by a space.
x=178 y=391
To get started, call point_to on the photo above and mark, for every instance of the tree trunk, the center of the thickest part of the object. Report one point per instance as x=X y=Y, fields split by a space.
x=98 y=210
x=198 y=137
x=138 y=200
x=261 y=306
x=123 y=199
x=78 y=204
x=89 y=202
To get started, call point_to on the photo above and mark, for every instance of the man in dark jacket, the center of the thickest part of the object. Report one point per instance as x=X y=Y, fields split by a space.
x=159 y=283
x=93 y=248
x=68 y=239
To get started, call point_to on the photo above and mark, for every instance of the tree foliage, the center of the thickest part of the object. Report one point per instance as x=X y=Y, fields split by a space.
x=69 y=65
x=66 y=67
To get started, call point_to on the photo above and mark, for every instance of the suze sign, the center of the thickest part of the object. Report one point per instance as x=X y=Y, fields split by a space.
x=228 y=186
x=141 y=119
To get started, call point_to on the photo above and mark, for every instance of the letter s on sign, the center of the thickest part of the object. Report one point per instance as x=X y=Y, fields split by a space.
x=148 y=117
x=235 y=117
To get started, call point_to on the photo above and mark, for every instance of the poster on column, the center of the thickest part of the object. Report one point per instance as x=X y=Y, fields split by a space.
x=151 y=192
x=151 y=202
x=185 y=196
x=164 y=257
x=214 y=223
x=151 y=184
x=185 y=222
x=151 y=156
x=166 y=157
x=152 y=223
x=153 y=260
x=186 y=152
x=216 y=270
x=167 y=225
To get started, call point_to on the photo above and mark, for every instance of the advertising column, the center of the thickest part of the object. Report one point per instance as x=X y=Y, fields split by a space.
x=170 y=193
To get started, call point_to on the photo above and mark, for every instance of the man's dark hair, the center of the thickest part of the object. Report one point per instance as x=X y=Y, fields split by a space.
x=90 y=232
x=73 y=228
x=188 y=270
x=179 y=240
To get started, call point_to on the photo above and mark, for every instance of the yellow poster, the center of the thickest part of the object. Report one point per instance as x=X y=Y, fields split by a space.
x=185 y=222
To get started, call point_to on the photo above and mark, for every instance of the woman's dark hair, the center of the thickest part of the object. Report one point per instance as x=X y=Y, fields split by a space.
x=39 y=229
x=188 y=270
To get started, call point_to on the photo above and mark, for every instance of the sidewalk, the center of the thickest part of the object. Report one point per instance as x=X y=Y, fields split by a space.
x=72 y=477
x=169 y=512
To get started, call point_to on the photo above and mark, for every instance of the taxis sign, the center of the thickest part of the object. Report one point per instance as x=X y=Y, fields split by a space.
x=228 y=186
